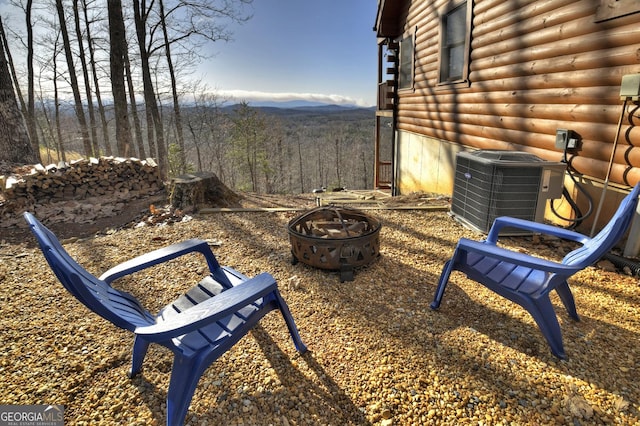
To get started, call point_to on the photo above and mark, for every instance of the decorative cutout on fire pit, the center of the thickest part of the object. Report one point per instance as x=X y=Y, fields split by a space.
x=335 y=238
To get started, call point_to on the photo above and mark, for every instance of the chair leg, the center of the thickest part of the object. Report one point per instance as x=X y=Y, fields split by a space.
x=566 y=296
x=545 y=316
x=140 y=347
x=185 y=375
x=291 y=325
x=442 y=283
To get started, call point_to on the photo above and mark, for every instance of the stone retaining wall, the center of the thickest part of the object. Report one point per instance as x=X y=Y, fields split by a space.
x=80 y=191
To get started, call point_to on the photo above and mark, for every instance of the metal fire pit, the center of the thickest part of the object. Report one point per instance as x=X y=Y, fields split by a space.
x=335 y=238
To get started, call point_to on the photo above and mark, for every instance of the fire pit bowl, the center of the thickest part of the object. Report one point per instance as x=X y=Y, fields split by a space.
x=335 y=238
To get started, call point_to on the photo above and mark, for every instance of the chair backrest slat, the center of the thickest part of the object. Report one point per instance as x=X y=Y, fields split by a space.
x=602 y=242
x=118 y=307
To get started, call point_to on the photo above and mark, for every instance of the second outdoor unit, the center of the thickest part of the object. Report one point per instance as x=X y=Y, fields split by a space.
x=489 y=184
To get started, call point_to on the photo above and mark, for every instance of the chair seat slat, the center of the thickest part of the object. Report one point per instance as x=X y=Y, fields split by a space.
x=528 y=280
x=198 y=327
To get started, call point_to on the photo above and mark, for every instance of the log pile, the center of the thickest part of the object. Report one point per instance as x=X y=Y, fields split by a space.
x=80 y=191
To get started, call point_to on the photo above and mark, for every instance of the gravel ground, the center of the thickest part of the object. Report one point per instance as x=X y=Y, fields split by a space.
x=377 y=353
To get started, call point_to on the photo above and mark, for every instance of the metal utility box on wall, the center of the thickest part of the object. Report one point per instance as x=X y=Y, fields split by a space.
x=489 y=184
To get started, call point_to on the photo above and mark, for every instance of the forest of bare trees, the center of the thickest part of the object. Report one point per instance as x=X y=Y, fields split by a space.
x=115 y=79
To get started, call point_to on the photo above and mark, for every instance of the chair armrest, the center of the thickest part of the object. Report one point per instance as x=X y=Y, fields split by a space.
x=536 y=227
x=159 y=256
x=514 y=257
x=210 y=310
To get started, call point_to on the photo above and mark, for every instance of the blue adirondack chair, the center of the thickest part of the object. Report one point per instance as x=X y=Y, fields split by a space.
x=198 y=327
x=528 y=280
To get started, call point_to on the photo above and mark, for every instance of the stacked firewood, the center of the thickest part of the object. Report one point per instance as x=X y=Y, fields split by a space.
x=79 y=185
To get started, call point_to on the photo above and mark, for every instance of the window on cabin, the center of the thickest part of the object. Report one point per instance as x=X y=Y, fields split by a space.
x=405 y=72
x=455 y=35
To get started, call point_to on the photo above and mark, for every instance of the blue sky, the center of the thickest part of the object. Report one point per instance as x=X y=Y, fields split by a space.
x=319 y=50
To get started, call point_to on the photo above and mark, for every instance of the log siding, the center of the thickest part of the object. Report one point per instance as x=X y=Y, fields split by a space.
x=535 y=66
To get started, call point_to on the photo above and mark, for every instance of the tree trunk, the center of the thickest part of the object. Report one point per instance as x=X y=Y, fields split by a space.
x=56 y=96
x=196 y=136
x=174 y=90
x=338 y=154
x=94 y=73
x=12 y=71
x=82 y=122
x=31 y=106
x=137 y=128
x=149 y=94
x=49 y=136
x=87 y=82
x=117 y=37
x=301 y=166
x=15 y=146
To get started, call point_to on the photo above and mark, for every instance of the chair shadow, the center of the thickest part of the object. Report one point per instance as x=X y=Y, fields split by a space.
x=582 y=339
x=322 y=394
x=513 y=328
x=326 y=399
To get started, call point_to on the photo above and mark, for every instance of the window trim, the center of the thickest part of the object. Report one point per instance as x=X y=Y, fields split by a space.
x=611 y=9
x=443 y=13
x=409 y=35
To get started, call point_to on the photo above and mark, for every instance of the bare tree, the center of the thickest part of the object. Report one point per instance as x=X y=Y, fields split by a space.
x=75 y=88
x=174 y=88
x=12 y=70
x=248 y=136
x=96 y=83
x=301 y=167
x=202 y=116
x=56 y=99
x=137 y=127
x=85 y=76
x=30 y=115
x=200 y=20
x=117 y=40
x=141 y=12
x=15 y=146
x=31 y=120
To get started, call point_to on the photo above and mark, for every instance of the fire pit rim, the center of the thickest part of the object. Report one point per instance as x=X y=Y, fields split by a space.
x=312 y=250
x=375 y=224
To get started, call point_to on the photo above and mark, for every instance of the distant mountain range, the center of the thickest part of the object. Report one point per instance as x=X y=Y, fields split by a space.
x=305 y=110
x=302 y=104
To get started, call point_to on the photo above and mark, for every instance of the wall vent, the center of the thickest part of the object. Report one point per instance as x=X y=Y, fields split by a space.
x=489 y=184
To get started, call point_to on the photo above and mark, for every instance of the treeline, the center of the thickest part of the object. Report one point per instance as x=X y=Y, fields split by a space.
x=283 y=150
x=269 y=150
x=107 y=79
x=125 y=72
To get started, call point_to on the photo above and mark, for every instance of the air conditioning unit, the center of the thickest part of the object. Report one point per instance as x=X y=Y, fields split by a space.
x=490 y=183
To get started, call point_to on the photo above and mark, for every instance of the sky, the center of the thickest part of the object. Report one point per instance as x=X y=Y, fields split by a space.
x=316 y=50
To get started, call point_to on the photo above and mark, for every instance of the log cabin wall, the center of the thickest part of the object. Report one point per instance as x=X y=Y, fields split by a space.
x=535 y=66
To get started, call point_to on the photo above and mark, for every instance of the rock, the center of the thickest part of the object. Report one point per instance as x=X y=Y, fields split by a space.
x=606 y=265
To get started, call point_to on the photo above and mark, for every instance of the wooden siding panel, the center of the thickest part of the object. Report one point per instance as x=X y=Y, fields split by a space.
x=495 y=14
x=512 y=64
x=551 y=81
x=529 y=25
x=533 y=97
x=570 y=38
x=535 y=66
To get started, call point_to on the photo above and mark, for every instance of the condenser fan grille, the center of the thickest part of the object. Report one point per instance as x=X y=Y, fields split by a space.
x=489 y=184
